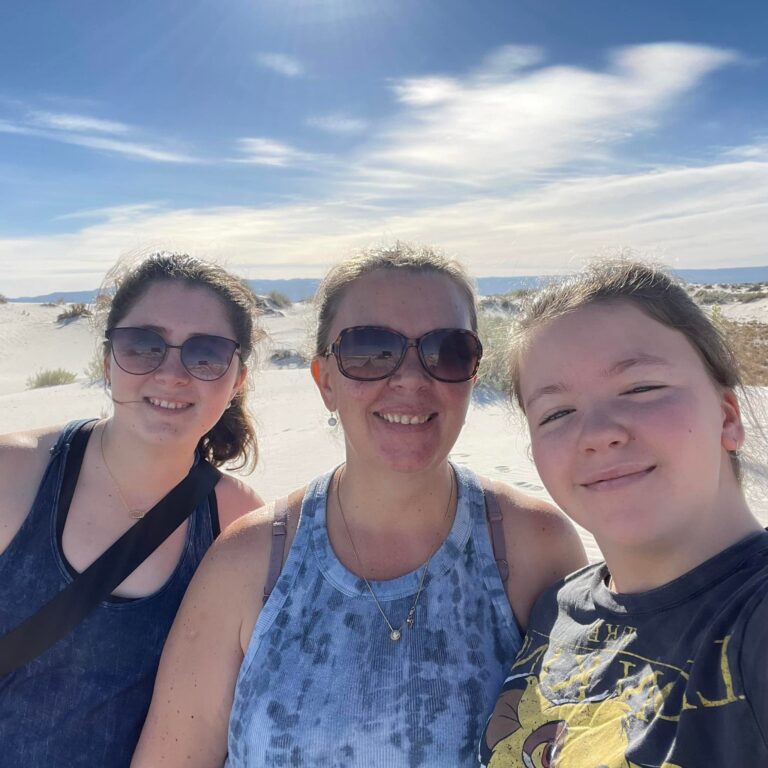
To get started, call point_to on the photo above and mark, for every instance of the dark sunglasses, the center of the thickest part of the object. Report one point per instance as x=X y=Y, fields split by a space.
x=369 y=353
x=139 y=351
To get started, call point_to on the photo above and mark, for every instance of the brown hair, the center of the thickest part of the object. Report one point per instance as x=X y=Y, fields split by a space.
x=649 y=288
x=233 y=437
x=416 y=259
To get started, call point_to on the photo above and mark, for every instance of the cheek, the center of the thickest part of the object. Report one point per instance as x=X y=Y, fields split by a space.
x=550 y=456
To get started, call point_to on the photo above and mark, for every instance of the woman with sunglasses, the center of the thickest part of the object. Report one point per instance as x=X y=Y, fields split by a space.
x=385 y=638
x=178 y=334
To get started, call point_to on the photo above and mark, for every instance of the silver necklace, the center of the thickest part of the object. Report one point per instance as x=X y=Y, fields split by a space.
x=395 y=633
x=134 y=514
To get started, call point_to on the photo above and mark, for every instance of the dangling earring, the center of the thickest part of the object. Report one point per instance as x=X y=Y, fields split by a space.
x=332 y=420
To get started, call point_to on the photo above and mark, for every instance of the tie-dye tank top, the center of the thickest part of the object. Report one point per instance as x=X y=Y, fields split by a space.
x=322 y=683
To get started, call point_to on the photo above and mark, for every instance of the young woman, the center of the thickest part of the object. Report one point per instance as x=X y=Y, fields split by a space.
x=385 y=638
x=178 y=334
x=656 y=657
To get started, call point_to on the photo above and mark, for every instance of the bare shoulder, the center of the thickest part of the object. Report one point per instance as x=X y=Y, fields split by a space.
x=235 y=498
x=23 y=459
x=542 y=546
x=238 y=561
x=532 y=519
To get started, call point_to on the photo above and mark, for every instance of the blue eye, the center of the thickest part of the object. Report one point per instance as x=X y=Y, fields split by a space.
x=556 y=415
x=643 y=388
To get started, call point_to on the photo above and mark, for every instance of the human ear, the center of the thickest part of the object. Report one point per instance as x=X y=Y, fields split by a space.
x=240 y=380
x=323 y=382
x=732 y=437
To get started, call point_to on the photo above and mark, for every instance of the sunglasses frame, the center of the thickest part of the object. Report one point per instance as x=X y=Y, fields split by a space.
x=235 y=351
x=335 y=350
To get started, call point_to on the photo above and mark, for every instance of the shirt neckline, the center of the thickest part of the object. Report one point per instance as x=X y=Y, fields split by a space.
x=402 y=586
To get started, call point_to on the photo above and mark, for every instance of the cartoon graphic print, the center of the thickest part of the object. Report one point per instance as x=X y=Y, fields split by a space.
x=527 y=730
x=593 y=704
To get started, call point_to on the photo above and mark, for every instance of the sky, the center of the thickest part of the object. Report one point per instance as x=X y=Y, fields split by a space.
x=278 y=136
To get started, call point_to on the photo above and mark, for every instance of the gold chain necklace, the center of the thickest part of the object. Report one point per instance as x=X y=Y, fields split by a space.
x=134 y=514
x=394 y=633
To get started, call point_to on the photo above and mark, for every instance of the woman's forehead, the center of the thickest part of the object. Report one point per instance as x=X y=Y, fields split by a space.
x=391 y=299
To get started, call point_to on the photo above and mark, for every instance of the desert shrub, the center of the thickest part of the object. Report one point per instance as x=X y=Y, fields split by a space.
x=51 y=377
x=713 y=296
x=73 y=312
x=494 y=367
x=94 y=371
x=57 y=303
x=748 y=296
x=749 y=342
x=288 y=358
x=3 y=300
x=280 y=300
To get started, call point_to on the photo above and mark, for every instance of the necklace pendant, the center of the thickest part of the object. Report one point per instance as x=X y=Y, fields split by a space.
x=394 y=635
x=136 y=514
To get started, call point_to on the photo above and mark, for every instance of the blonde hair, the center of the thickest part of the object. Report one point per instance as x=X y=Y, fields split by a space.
x=405 y=257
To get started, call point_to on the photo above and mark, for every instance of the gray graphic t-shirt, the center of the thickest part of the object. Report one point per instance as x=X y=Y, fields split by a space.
x=676 y=677
x=322 y=683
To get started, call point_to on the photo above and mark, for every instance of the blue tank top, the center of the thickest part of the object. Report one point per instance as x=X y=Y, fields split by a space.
x=322 y=683
x=83 y=701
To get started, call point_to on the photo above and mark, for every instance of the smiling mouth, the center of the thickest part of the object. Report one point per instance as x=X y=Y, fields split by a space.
x=168 y=405
x=403 y=418
x=620 y=478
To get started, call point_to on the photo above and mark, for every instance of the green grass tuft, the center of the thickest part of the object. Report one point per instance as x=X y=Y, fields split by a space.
x=51 y=377
x=73 y=312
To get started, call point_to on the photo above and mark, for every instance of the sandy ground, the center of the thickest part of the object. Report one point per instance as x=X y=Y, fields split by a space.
x=295 y=440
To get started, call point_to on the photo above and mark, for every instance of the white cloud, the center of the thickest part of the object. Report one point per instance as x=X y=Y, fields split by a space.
x=280 y=63
x=497 y=167
x=506 y=121
x=337 y=122
x=78 y=123
x=84 y=131
x=261 y=151
x=691 y=217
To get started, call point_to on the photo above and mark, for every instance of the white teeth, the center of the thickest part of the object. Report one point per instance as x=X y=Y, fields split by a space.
x=168 y=404
x=398 y=418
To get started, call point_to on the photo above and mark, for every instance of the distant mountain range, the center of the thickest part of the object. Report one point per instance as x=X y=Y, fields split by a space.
x=304 y=288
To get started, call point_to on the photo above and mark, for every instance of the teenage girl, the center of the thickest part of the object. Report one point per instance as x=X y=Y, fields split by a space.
x=657 y=656
x=385 y=639
x=179 y=333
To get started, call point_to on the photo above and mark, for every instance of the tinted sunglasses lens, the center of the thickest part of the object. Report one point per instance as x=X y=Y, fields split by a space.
x=451 y=355
x=369 y=353
x=137 y=350
x=207 y=357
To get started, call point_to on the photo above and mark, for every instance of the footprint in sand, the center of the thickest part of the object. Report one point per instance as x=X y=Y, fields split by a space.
x=502 y=468
x=528 y=486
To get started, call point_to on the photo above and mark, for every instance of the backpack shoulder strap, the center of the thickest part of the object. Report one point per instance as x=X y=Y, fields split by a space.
x=277 y=549
x=496 y=527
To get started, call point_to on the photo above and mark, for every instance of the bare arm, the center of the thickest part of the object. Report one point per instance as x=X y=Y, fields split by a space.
x=23 y=459
x=542 y=547
x=188 y=719
x=235 y=498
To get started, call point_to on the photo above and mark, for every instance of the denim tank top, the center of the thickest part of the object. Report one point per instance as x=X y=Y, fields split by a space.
x=322 y=683
x=83 y=701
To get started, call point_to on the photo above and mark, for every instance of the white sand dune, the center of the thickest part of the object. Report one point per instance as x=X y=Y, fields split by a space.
x=295 y=440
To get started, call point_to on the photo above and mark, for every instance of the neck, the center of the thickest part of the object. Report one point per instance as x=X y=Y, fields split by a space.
x=396 y=500
x=383 y=530
x=142 y=470
x=644 y=568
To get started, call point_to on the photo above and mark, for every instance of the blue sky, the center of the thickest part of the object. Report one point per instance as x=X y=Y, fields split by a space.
x=278 y=135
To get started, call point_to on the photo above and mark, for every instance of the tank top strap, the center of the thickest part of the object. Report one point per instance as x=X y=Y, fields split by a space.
x=313 y=497
x=483 y=545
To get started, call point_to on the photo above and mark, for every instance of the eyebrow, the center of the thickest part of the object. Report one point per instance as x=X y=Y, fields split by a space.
x=619 y=367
